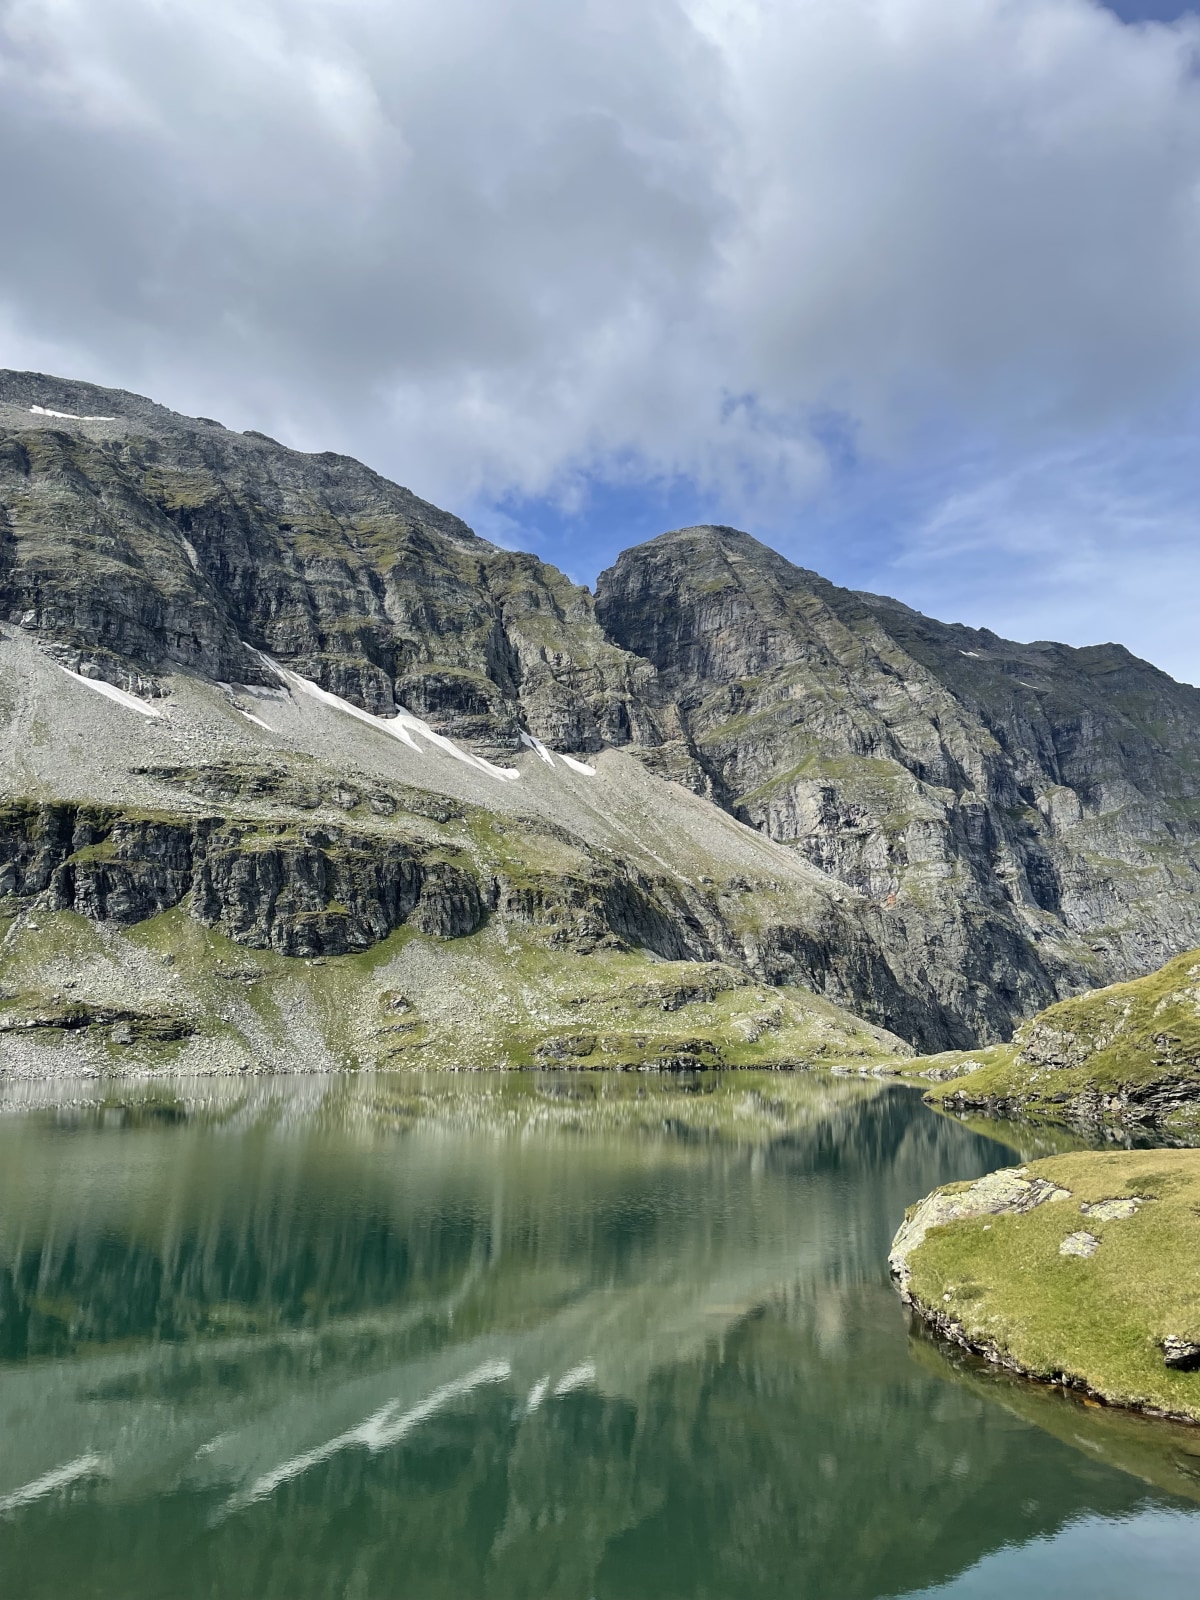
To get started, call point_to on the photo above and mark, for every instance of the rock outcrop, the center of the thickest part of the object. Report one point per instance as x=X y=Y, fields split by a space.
x=1127 y=1055
x=1022 y=818
x=301 y=891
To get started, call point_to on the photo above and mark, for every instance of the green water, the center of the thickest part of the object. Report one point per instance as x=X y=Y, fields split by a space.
x=530 y=1337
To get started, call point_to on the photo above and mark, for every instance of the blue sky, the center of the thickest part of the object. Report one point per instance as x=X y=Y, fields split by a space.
x=1148 y=10
x=908 y=288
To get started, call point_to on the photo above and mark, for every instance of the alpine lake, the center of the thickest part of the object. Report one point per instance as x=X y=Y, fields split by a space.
x=527 y=1335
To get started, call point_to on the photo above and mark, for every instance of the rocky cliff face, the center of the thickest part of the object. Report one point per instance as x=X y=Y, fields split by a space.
x=993 y=825
x=146 y=541
x=1021 y=818
x=1127 y=1056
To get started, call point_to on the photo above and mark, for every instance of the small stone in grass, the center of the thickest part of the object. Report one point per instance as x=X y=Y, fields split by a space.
x=1079 y=1244
x=1116 y=1210
x=1181 y=1354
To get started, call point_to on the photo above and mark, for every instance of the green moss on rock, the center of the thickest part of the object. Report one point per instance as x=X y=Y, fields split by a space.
x=1127 y=1053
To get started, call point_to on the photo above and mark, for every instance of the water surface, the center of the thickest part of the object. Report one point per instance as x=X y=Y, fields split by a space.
x=525 y=1337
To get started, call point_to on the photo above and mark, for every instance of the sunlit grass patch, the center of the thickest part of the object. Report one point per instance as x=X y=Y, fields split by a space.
x=1098 y=1321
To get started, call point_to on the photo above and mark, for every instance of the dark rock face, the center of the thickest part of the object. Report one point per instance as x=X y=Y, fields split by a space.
x=1023 y=819
x=313 y=890
x=302 y=892
x=160 y=540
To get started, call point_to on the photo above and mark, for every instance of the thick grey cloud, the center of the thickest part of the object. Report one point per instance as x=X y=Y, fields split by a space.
x=493 y=248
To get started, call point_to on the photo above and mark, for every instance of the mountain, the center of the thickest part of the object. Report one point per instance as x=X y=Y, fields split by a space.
x=294 y=767
x=1020 y=820
x=147 y=542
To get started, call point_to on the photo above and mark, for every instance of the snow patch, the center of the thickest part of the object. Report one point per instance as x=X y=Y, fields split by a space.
x=111 y=692
x=190 y=551
x=70 y=416
x=249 y=715
x=380 y=1430
x=531 y=743
x=403 y=726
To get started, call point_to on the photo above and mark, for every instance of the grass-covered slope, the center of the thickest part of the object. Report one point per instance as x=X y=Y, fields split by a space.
x=1081 y=1269
x=77 y=996
x=1128 y=1053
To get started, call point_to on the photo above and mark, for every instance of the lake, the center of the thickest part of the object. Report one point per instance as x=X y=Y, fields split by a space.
x=527 y=1335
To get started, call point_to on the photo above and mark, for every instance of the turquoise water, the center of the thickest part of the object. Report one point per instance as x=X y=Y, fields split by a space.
x=526 y=1338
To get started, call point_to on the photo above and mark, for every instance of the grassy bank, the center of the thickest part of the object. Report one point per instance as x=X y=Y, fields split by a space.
x=1079 y=1269
x=1129 y=1053
x=171 y=994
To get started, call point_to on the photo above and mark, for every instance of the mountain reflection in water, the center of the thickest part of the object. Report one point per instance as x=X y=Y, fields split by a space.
x=527 y=1337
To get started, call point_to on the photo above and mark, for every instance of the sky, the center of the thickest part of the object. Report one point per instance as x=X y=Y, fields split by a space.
x=910 y=289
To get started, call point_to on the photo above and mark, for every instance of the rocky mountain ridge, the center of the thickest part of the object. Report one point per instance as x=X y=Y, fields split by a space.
x=958 y=830
x=1022 y=819
x=144 y=542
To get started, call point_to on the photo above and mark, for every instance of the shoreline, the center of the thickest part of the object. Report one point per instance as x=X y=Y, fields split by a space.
x=1075 y=1271
x=942 y=1327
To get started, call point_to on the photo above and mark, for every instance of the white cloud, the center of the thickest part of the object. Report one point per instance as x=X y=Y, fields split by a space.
x=494 y=248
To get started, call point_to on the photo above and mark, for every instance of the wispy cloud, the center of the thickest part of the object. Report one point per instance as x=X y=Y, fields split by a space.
x=1087 y=542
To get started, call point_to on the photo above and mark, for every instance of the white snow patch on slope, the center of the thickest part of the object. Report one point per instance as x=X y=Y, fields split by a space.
x=380 y=1430
x=402 y=726
x=241 y=710
x=71 y=416
x=90 y=1466
x=531 y=743
x=111 y=692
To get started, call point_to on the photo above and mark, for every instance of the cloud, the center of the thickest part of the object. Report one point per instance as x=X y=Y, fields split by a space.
x=508 y=250
x=1085 y=542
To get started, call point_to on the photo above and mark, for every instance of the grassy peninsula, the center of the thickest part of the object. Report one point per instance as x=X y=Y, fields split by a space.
x=1081 y=1269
